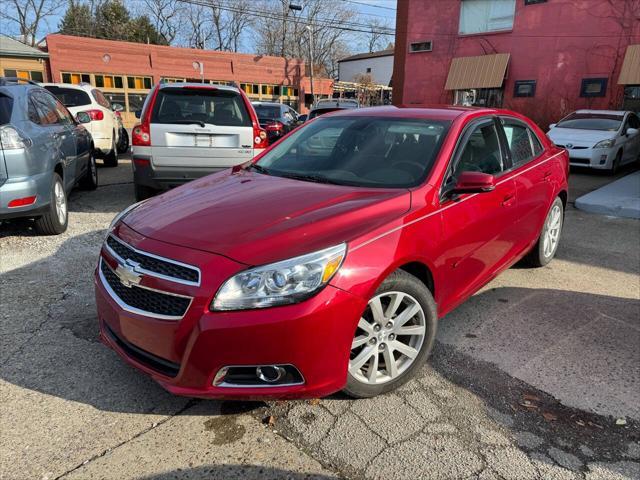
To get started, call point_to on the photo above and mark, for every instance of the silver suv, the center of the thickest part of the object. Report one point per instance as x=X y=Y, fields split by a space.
x=189 y=130
x=44 y=153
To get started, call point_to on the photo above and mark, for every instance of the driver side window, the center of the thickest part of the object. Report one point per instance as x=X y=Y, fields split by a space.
x=482 y=152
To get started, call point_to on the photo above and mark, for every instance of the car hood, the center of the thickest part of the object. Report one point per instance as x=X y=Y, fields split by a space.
x=563 y=136
x=257 y=219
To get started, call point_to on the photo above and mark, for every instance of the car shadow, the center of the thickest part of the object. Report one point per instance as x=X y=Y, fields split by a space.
x=236 y=472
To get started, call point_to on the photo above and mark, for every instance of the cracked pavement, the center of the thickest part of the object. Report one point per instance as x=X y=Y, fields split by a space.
x=526 y=381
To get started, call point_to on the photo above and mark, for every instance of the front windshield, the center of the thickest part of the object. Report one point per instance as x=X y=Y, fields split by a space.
x=591 y=121
x=362 y=151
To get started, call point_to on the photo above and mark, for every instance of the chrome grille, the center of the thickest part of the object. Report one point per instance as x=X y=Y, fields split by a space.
x=143 y=300
x=152 y=264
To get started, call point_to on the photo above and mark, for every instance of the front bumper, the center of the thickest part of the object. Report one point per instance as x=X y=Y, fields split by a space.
x=184 y=356
x=598 y=158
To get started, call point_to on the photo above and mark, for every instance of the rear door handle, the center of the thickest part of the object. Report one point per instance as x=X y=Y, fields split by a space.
x=508 y=199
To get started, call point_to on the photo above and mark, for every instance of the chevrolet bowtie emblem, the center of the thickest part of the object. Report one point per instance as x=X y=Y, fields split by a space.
x=128 y=273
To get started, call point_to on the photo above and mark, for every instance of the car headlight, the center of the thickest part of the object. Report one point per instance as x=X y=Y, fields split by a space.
x=281 y=283
x=608 y=143
x=123 y=214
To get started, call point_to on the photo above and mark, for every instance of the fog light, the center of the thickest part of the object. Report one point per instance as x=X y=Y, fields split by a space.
x=258 y=376
x=270 y=373
x=603 y=159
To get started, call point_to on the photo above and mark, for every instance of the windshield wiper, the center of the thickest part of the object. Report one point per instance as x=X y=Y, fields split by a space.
x=189 y=122
x=258 y=168
x=306 y=177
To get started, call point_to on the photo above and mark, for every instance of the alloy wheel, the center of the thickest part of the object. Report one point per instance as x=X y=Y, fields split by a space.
x=388 y=339
x=61 y=202
x=552 y=234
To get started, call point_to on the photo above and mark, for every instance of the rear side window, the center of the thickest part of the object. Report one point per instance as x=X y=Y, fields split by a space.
x=184 y=105
x=102 y=101
x=522 y=142
x=6 y=107
x=70 y=97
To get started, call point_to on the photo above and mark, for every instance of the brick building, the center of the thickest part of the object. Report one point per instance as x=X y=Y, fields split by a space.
x=543 y=58
x=126 y=71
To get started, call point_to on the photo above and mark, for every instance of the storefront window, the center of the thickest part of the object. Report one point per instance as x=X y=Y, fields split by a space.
x=136 y=101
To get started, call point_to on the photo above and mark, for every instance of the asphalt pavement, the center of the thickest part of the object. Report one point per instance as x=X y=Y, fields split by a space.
x=536 y=376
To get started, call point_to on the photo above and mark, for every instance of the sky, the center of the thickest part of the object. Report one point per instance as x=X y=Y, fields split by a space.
x=368 y=10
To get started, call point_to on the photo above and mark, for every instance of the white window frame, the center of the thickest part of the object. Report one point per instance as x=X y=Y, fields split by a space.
x=486 y=16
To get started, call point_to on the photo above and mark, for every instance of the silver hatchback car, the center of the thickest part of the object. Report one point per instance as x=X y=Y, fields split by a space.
x=44 y=153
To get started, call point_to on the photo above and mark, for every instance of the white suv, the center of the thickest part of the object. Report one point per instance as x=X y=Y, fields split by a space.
x=188 y=130
x=104 y=126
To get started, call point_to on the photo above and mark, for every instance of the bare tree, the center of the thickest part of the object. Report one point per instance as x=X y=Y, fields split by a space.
x=198 y=30
x=285 y=33
x=166 y=16
x=376 y=37
x=28 y=15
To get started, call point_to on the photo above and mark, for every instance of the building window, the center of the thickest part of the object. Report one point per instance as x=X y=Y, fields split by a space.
x=139 y=83
x=533 y=2
x=136 y=101
x=524 y=88
x=593 y=87
x=479 y=16
x=34 y=75
x=421 y=46
x=369 y=70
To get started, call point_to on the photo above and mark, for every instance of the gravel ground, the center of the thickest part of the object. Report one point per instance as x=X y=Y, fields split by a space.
x=532 y=388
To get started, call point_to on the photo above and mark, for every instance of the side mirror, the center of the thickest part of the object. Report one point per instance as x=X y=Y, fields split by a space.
x=138 y=113
x=552 y=125
x=474 y=182
x=302 y=118
x=631 y=131
x=83 y=117
x=116 y=107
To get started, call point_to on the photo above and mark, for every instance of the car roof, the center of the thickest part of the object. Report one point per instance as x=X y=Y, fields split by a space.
x=603 y=112
x=435 y=112
x=77 y=86
x=216 y=86
x=273 y=104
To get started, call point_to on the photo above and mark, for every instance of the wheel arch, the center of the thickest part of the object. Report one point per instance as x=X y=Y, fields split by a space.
x=422 y=272
x=564 y=196
x=59 y=169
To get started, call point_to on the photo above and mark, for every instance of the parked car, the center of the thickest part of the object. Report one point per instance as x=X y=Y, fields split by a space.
x=276 y=118
x=600 y=139
x=189 y=130
x=103 y=127
x=123 y=136
x=326 y=263
x=44 y=153
x=331 y=105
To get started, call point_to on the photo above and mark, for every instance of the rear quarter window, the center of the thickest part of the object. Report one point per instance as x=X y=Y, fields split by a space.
x=216 y=107
x=6 y=108
x=70 y=97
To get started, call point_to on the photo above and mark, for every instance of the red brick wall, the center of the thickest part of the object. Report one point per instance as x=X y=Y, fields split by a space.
x=556 y=43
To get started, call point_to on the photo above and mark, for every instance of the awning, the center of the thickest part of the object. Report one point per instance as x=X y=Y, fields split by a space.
x=484 y=71
x=630 y=72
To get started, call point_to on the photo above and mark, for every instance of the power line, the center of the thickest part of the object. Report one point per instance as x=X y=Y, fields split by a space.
x=320 y=22
x=370 y=5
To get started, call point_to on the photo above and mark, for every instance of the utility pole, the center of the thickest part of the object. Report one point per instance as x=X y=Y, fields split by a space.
x=310 y=28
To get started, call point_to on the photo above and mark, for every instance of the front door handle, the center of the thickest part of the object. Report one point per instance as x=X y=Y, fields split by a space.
x=508 y=199
x=547 y=176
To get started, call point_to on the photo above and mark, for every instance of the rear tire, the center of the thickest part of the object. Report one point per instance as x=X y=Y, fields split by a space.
x=142 y=192
x=90 y=179
x=55 y=221
x=111 y=158
x=123 y=141
x=547 y=245
x=409 y=347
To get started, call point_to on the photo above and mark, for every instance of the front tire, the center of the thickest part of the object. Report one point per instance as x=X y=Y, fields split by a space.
x=55 y=221
x=394 y=336
x=615 y=166
x=111 y=158
x=547 y=245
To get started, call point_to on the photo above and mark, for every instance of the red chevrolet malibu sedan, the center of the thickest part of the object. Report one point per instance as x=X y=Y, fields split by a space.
x=325 y=263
